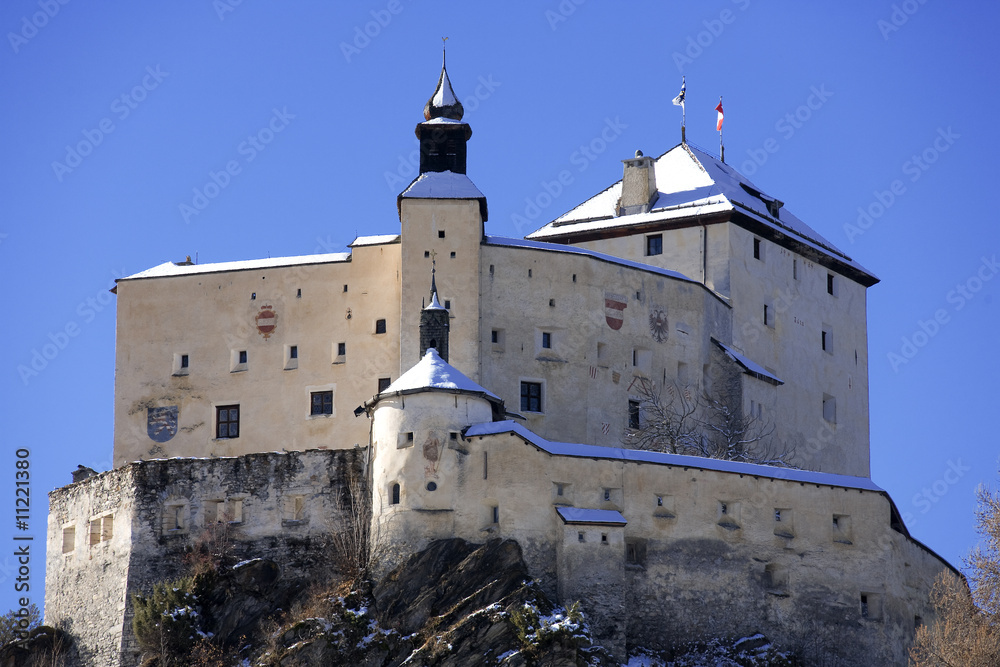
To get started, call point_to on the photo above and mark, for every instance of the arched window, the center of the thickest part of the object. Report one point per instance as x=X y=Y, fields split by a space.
x=395 y=494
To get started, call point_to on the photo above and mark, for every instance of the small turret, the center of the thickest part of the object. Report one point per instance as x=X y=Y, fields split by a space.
x=434 y=324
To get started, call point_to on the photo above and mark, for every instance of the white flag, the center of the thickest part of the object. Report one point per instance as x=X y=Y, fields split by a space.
x=679 y=100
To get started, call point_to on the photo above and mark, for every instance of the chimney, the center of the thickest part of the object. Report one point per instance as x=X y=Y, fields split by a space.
x=638 y=186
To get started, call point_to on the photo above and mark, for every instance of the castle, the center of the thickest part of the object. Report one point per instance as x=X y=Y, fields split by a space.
x=495 y=403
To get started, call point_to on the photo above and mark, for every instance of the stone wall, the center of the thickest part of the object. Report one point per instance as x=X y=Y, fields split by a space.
x=282 y=506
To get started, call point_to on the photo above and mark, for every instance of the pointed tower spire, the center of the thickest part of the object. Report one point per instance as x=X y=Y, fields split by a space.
x=434 y=322
x=444 y=103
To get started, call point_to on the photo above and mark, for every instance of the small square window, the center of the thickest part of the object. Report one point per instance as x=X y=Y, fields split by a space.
x=447 y=304
x=531 y=396
x=552 y=303
x=243 y=356
x=341 y=349
x=826 y=340
x=580 y=537
x=440 y=233
x=654 y=244
x=383 y=384
x=452 y=254
x=227 y=421
x=607 y=495
x=380 y=326
x=69 y=539
x=345 y=288
x=494 y=336
x=546 y=340
x=321 y=403
x=293 y=352
x=604 y=538
x=185 y=361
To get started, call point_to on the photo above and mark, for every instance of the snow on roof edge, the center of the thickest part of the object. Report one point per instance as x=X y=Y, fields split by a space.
x=618 y=453
x=168 y=269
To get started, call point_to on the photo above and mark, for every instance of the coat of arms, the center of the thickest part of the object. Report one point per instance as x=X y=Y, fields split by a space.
x=658 y=323
x=614 y=305
x=161 y=423
x=267 y=321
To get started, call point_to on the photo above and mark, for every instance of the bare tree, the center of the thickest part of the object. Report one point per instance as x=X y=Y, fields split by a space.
x=966 y=630
x=358 y=543
x=677 y=420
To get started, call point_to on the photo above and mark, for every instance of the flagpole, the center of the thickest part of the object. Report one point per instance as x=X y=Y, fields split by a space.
x=722 y=146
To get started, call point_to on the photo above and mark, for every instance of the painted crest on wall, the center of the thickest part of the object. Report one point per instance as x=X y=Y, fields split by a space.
x=614 y=306
x=658 y=327
x=161 y=423
x=267 y=321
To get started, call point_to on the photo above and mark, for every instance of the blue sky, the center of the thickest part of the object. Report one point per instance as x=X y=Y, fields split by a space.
x=872 y=121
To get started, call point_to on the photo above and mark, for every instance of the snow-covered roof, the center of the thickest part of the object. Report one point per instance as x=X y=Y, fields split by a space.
x=433 y=372
x=172 y=269
x=576 y=250
x=690 y=183
x=380 y=239
x=582 y=515
x=442 y=185
x=748 y=365
x=435 y=304
x=640 y=456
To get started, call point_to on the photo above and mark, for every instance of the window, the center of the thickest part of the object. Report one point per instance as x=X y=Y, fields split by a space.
x=291 y=357
x=830 y=408
x=175 y=517
x=395 y=494
x=341 y=349
x=604 y=538
x=633 y=414
x=826 y=341
x=298 y=293
x=552 y=303
x=440 y=233
x=795 y=269
x=447 y=304
x=768 y=318
x=531 y=396
x=227 y=421
x=107 y=527
x=607 y=495
x=580 y=537
x=756 y=249
x=380 y=326
x=494 y=336
x=432 y=486
x=383 y=384
x=546 y=340
x=831 y=286
x=783 y=522
x=495 y=514
x=427 y=254
x=654 y=244
x=235 y=514
x=452 y=255
x=95 y=531
x=298 y=508
x=69 y=539
x=184 y=361
x=181 y=364
x=842 y=529
x=321 y=403
x=243 y=356
x=345 y=288
x=486 y=465
x=293 y=352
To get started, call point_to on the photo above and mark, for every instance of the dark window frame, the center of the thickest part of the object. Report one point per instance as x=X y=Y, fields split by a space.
x=227 y=422
x=654 y=245
x=531 y=396
x=321 y=402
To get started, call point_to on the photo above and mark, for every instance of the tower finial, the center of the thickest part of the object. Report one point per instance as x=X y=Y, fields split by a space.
x=434 y=288
x=443 y=103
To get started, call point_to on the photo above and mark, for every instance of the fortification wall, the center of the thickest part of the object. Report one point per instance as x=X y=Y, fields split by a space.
x=282 y=506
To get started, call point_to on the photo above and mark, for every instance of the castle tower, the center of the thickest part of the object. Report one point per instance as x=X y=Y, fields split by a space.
x=441 y=216
x=434 y=325
x=420 y=454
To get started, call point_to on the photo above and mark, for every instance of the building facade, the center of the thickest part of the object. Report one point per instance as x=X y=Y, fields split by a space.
x=683 y=276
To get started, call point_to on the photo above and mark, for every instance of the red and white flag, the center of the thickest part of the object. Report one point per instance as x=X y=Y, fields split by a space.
x=718 y=124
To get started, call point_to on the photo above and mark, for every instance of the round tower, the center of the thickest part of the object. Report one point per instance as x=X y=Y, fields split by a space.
x=420 y=453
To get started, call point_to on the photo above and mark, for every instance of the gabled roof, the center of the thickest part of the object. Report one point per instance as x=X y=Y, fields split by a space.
x=573 y=515
x=692 y=184
x=749 y=366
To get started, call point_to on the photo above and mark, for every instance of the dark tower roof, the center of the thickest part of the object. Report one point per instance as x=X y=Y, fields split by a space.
x=443 y=103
